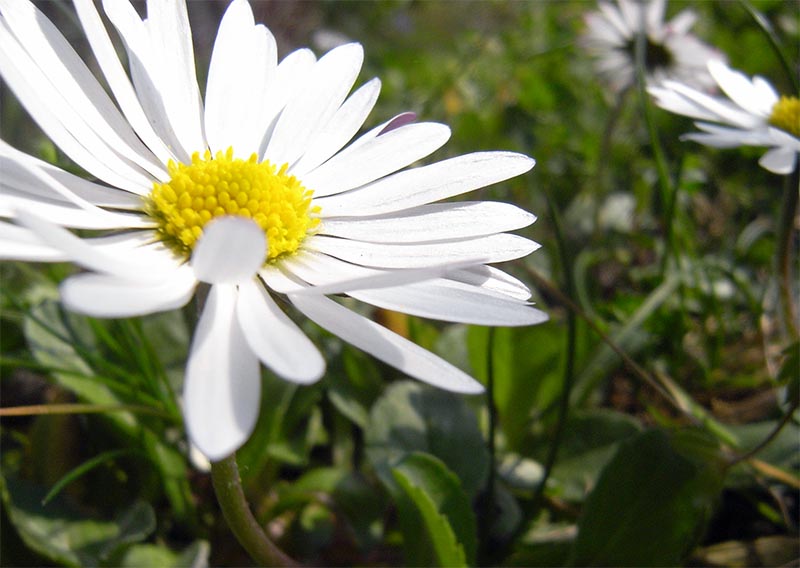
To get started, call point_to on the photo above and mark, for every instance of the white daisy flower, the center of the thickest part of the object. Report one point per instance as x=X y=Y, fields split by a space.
x=753 y=114
x=671 y=51
x=257 y=191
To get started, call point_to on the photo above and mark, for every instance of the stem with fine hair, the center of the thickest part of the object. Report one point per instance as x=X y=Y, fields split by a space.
x=783 y=250
x=228 y=488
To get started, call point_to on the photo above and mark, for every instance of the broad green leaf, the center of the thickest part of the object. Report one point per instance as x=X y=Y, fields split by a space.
x=411 y=417
x=524 y=385
x=66 y=536
x=354 y=391
x=649 y=507
x=438 y=523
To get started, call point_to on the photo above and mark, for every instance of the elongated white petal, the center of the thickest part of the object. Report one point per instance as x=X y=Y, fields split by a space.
x=419 y=186
x=493 y=248
x=103 y=296
x=62 y=124
x=327 y=85
x=332 y=276
x=379 y=157
x=222 y=388
x=493 y=279
x=17 y=168
x=740 y=89
x=238 y=76
x=230 y=251
x=64 y=68
x=117 y=79
x=386 y=345
x=280 y=281
x=18 y=243
x=340 y=128
x=435 y=222
x=171 y=40
x=65 y=214
x=274 y=338
x=83 y=253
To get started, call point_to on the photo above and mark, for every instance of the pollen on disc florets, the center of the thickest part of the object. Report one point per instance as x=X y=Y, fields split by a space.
x=786 y=115
x=223 y=185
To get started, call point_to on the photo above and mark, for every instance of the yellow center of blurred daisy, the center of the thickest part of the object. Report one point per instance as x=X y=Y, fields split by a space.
x=222 y=185
x=786 y=115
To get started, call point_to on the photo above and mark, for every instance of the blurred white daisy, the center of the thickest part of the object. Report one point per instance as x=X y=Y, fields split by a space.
x=257 y=191
x=753 y=114
x=671 y=51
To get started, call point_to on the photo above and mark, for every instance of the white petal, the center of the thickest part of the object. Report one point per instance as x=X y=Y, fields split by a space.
x=386 y=345
x=435 y=222
x=682 y=22
x=383 y=155
x=222 y=387
x=493 y=248
x=741 y=90
x=117 y=79
x=340 y=128
x=67 y=185
x=18 y=243
x=322 y=94
x=237 y=82
x=65 y=214
x=171 y=39
x=779 y=160
x=143 y=268
x=64 y=125
x=230 y=250
x=75 y=83
x=274 y=338
x=493 y=279
x=102 y=296
x=418 y=186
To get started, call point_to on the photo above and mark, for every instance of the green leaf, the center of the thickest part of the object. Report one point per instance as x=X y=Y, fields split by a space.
x=64 y=535
x=438 y=524
x=411 y=417
x=82 y=469
x=354 y=391
x=138 y=555
x=649 y=507
x=524 y=386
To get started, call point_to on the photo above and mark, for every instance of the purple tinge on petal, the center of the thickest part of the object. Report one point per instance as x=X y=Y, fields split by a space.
x=398 y=121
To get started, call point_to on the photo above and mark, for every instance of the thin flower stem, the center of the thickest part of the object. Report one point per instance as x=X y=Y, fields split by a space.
x=569 y=366
x=487 y=503
x=668 y=192
x=228 y=488
x=770 y=437
x=38 y=409
x=774 y=42
x=783 y=250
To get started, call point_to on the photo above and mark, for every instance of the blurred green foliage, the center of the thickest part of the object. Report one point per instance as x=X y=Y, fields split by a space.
x=597 y=458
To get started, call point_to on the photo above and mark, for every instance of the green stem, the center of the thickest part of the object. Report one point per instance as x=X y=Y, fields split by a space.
x=668 y=193
x=228 y=487
x=783 y=250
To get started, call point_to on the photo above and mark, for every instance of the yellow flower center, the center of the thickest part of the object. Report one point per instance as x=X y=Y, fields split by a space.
x=786 y=115
x=213 y=187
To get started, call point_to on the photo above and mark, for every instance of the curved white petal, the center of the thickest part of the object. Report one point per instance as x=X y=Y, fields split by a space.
x=740 y=89
x=222 y=387
x=18 y=243
x=238 y=76
x=64 y=125
x=171 y=42
x=381 y=156
x=274 y=338
x=435 y=222
x=104 y=296
x=493 y=279
x=492 y=248
x=74 y=82
x=323 y=92
x=230 y=250
x=426 y=184
x=779 y=160
x=65 y=214
x=385 y=344
x=143 y=268
x=340 y=128
x=117 y=79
